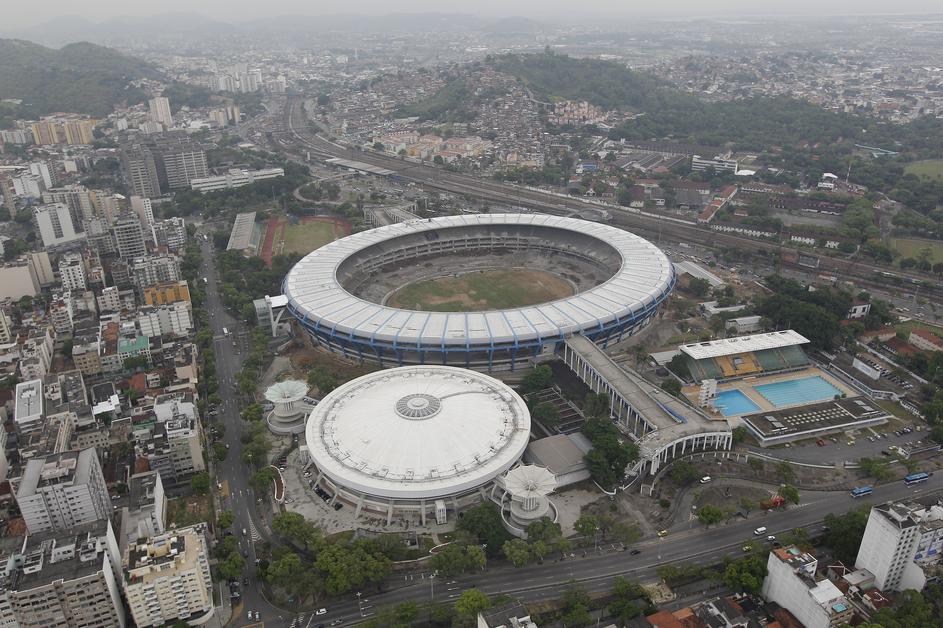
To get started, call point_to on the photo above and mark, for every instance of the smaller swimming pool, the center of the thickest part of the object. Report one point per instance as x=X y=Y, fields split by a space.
x=734 y=403
x=796 y=391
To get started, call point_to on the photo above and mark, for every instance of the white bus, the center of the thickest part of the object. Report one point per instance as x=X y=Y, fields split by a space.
x=225 y=331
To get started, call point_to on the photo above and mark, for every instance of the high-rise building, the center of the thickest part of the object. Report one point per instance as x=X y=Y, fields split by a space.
x=79 y=131
x=171 y=233
x=155 y=269
x=129 y=237
x=791 y=582
x=180 y=161
x=62 y=491
x=5 y=334
x=55 y=225
x=902 y=543
x=168 y=579
x=8 y=194
x=66 y=579
x=160 y=111
x=29 y=186
x=42 y=169
x=41 y=267
x=81 y=202
x=140 y=170
x=143 y=208
x=72 y=272
x=63 y=131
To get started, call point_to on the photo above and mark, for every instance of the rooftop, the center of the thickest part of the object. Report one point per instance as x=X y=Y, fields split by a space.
x=62 y=556
x=743 y=344
x=418 y=431
x=817 y=416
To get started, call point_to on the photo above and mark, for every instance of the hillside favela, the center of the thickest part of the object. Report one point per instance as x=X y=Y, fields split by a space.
x=414 y=314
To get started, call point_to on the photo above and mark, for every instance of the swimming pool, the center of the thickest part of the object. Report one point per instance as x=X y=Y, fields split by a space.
x=734 y=403
x=796 y=391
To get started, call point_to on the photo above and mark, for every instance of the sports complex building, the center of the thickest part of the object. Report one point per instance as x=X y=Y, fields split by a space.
x=416 y=440
x=767 y=383
x=613 y=280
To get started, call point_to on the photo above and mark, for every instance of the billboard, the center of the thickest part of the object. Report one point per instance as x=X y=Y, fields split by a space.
x=870 y=371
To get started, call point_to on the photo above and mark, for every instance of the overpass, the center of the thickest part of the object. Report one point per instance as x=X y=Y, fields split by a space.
x=662 y=425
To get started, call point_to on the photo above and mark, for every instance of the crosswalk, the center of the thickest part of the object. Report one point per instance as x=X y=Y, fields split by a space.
x=253 y=533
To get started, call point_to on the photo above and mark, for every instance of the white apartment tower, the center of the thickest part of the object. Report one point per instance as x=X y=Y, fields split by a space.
x=72 y=272
x=902 y=543
x=160 y=111
x=62 y=491
x=791 y=583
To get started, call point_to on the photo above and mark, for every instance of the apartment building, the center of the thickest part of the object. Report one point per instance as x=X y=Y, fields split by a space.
x=65 y=579
x=168 y=579
x=791 y=583
x=903 y=543
x=61 y=491
x=72 y=272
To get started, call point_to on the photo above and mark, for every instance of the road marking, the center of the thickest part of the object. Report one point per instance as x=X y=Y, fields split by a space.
x=253 y=533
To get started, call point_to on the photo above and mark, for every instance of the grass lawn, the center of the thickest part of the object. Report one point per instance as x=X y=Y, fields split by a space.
x=911 y=247
x=909 y=326
x=480 y=291
x=305 y=237
x=185 y=511
x=929 y=168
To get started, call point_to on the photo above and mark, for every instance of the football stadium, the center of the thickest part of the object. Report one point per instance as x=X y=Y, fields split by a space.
x=767 y=383
x=482 y=291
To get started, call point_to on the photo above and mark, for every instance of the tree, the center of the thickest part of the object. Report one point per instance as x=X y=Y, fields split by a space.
x=576 y=603
x=231 y=566
x=746 y=574
x=455 y=559
x=683 y=473
x=626 y=532
x=220 y=452
x=471 y=602
x=322 y=379
x=875 y=468
x=298 y=530
x=747 y=504
x=627 y=594
x=518 y=551
x=671 y=386
x=262 y=479
x=345 y=568
x=252 y=412
x=698 y=287
x=710 y=515
x=587 y=525
x=225 y=518
x=536 y=380
x=785 y=471
x=483 y=522
x=739 y=434
x=789 y=493
x=845 y=532
x=200 y=483
x=546 y=413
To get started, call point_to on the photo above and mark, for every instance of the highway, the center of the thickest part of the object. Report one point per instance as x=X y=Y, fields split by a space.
x=688 y=542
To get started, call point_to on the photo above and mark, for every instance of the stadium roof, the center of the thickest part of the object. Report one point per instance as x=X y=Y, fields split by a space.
x=644 y=278
x=418 y=432
x=743 y=344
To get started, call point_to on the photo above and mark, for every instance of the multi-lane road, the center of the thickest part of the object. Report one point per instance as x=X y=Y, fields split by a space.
x=232 y=474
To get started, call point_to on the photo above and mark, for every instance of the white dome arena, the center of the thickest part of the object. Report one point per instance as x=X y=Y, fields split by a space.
x=401 y=439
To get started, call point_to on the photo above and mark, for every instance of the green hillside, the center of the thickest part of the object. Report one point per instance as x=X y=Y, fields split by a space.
x=80 y=77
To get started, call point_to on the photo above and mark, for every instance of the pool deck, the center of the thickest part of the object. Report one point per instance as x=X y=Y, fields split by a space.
x=746 y=385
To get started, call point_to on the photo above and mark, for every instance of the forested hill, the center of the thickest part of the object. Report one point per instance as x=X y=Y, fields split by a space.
x=752 y=124
x=80 y=77
x=603 y=83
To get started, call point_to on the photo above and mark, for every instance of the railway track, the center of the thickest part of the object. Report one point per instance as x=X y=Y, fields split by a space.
x=865 y=274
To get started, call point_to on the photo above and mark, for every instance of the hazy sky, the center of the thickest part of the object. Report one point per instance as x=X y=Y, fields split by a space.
x=17 y=14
